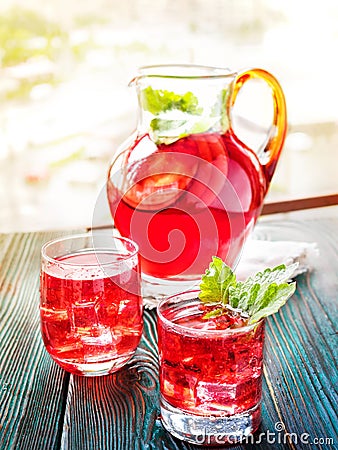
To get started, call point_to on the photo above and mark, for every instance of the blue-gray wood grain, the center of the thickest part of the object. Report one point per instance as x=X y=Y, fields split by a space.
x=42 y=407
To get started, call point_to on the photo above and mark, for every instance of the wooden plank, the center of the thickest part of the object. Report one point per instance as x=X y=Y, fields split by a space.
x=32 y=386
x=299 y=204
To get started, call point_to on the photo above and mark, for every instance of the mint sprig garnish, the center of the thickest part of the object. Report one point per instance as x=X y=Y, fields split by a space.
x=259 y=296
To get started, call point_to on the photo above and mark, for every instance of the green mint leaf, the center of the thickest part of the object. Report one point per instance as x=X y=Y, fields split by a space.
x=259 y=291
x=202 y=125
x=279 y=274
x=163 y=125
x=189 y=103
x=220 y=108
x=273 y=299
x=259 y=296
x=152 y=101
x=166 y=131
x=158 y=101
x=214 y=313
x=242 y=295
x=215 y=284
x=166 y=128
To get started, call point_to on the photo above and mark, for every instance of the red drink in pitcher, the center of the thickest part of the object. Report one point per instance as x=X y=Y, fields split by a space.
x=183 y=186
x=91 y=311
x=204 y=203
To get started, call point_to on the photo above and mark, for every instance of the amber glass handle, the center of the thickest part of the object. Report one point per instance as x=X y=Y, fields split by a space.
x=278 y=130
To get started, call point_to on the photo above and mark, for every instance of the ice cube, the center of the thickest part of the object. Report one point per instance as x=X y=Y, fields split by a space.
x=215 y=392
x=83 y=317
x=98 y=336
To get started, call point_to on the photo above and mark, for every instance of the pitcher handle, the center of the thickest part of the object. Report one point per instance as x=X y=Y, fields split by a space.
x=277 y=132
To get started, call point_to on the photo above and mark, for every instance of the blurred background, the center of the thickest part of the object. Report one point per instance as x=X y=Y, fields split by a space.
x=65 y=106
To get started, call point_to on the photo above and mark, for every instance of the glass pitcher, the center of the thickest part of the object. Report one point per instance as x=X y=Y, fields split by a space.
x=184 y=186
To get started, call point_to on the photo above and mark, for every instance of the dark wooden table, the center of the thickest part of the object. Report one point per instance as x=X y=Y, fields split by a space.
x=43 y=407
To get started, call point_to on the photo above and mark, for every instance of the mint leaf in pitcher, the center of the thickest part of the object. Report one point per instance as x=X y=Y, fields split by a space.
x=176 y=115
x=157 y=101
x=259 y=296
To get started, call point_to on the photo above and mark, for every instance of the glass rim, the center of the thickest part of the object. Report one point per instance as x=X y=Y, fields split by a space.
x=205 y=72
x=70 y=237
x=193 y=331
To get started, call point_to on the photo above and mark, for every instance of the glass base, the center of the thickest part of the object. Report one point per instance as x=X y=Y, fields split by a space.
x=210 y=429
x=154 y=289
x=94 y=369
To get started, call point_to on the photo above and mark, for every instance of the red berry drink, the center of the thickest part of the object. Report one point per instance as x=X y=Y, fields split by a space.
x=91 y=307
x=210 y=371
x=187 y=201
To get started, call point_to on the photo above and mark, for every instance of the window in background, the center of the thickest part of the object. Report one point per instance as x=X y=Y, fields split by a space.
x=65 y=106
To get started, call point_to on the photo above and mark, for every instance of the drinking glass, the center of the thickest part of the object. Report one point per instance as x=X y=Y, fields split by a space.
x=210 y=377
x=90 y=302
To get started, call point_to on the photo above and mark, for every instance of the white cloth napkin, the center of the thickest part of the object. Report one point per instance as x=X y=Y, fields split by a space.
x=257 y=255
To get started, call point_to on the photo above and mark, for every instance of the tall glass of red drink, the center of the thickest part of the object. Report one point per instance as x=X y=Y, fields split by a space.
x=90 y=302
x=210 y=371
